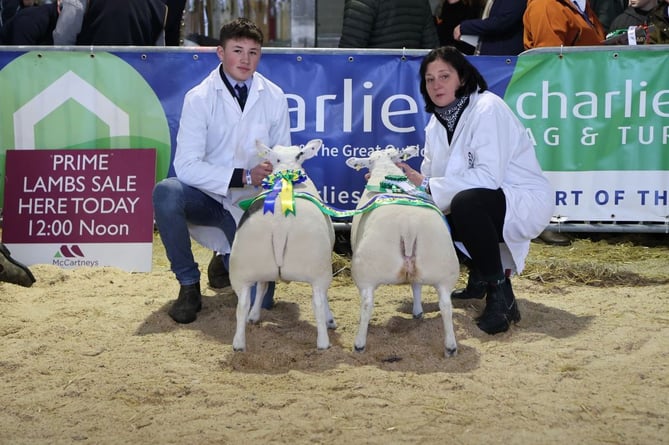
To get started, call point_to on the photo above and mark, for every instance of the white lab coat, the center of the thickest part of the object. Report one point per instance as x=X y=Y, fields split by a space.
x=215 y=137
x=491 y=149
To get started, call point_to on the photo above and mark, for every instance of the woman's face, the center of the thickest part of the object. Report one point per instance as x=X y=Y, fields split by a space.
x=441 y=82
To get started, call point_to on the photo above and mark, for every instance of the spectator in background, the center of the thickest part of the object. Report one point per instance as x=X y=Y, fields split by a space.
x=659 y=19
x=500 y=28
x=216 y=163
x=31 y=26
x=637 y=13
x=69 y=22
x=655 y=30
x=561 y=23
x=9 y=8
x=388 y=24
x=607 y=10
x=448 y=16
x=175 y=12
x=111 y=22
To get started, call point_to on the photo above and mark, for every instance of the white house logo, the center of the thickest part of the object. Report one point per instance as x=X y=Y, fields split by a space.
x=69 y=86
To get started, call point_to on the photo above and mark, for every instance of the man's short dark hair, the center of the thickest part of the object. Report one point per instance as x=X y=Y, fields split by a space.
x=241 y=28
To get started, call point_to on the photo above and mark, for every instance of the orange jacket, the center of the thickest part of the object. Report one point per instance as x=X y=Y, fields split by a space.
x=559 y=23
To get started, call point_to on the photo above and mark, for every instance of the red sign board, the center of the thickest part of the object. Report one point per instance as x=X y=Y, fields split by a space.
x=79 y=196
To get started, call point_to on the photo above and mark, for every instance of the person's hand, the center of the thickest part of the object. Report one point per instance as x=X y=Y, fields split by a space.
x=260 y=172
x=457 y=33
x=412 y=175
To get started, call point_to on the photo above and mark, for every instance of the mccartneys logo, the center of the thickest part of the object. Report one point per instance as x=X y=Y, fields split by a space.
x=72 y=256
x=75 y=100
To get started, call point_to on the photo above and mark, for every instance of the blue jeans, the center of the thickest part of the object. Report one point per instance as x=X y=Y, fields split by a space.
x=176 y=204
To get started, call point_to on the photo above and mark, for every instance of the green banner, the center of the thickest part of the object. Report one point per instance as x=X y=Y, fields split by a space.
x=595 y=110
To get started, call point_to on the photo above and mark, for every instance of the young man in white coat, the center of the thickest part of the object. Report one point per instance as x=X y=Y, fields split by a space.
x=482 y=172
x=216 y=162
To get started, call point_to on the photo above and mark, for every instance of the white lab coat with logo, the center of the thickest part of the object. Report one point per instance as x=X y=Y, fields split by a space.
x=215 y=137
x=491 y=149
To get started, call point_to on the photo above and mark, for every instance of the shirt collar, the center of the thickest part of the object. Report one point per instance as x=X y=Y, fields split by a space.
x=581 y=4
x=234 y=82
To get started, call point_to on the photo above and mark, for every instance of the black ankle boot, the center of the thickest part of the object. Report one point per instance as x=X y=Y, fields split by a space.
x=188 y=304
x=500 y=310
x=217 y=273
x=476 y=287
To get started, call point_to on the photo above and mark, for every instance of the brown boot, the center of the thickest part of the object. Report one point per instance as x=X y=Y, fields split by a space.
x=188 y=304
x=11 y=271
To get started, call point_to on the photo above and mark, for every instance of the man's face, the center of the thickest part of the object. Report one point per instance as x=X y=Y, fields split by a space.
x=644 y=5
x=240 y=58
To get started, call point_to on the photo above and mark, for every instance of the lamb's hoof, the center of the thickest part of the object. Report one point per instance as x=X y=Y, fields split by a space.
x=418 y=316
x=321 y=348
x=331 y=324
x=451 y=352
x=357 y=348
x=239 y=349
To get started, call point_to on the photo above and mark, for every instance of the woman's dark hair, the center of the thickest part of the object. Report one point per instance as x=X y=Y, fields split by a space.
x=241 y=28
x=471 y=78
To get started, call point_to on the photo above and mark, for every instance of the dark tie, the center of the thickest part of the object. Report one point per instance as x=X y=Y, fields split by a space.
x=242 y=94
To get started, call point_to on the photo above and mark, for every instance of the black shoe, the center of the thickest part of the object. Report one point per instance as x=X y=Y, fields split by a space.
x=188 y=304
x=217 y=273
x=476 y=287
x=11 y=271
x=500 y=310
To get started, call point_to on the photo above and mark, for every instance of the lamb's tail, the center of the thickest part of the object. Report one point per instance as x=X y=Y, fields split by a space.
x=408 y=248
x=279 y=243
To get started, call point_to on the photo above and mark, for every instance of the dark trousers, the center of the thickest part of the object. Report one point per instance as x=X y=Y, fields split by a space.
x=477 y=220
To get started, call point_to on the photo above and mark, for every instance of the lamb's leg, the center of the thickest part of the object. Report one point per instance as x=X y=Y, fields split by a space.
x=366 y=308
x=446 y=308
x=416 y=291
x=254 y=315
x=320 y=307
x=329 y=317
x=243 y=303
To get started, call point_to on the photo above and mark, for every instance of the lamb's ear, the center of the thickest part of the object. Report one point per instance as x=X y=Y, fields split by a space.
x=263 y=150
x=311 y=148
x=357 y=163
x=409 y=152
x=394 y=154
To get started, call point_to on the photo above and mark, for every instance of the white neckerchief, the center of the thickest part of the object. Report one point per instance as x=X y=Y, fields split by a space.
x=580 y=4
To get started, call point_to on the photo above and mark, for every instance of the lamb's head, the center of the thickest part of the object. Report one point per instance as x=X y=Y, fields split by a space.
x=288 y=157
x=383 y=162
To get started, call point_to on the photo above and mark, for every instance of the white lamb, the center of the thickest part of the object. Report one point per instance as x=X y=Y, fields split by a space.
x=272 y=243
x=397 y=243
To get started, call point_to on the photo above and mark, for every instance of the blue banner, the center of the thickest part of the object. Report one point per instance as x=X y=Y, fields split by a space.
x=354 y=102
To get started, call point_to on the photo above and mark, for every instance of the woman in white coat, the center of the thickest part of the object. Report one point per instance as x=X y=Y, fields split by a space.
x=480 y=167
